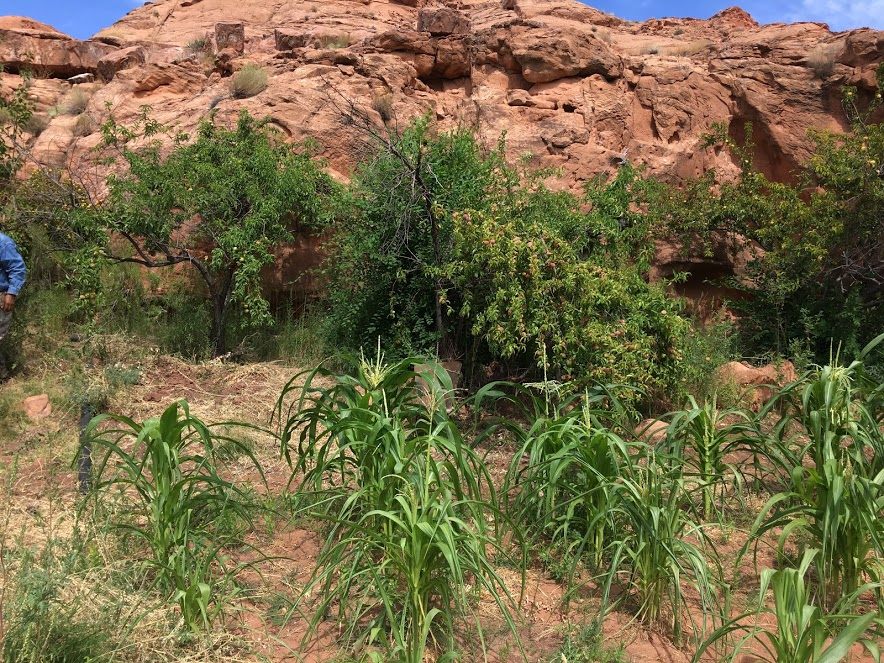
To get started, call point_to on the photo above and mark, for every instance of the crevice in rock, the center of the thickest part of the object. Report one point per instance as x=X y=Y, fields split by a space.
x=767 y=157
x=440 y=84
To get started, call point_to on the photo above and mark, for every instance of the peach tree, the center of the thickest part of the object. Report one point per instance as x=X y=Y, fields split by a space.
x=219 y=204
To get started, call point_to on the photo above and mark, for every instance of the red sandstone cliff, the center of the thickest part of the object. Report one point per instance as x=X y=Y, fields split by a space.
x=573 y=86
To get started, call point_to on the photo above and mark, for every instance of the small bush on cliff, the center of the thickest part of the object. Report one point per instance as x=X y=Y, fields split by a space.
x=248 y=81
x=74 y=103
x=822 y=59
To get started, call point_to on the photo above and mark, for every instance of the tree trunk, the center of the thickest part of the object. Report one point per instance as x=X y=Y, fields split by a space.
x=220 y=298
x=219 y=345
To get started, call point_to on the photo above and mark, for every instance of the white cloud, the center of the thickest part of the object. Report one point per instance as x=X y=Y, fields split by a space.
x=840 y=15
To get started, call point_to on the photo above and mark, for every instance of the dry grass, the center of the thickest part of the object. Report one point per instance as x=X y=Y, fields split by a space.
x=688 y=48
x=74 y=103
x=36 y=124
x=84 y=126
x=383 y=105
x=601 y=33
x=822 y=59
x=335 y=41
x=248 y=82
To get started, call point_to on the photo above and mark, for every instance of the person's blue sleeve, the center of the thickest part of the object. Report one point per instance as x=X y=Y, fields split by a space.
x=14 y=266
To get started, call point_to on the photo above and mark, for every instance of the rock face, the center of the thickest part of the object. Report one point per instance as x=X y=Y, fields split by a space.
x=442 y=21
x=757 y=384
x=125 y=58
x=28 y=45
x=577 y=88
x=569 y=84
x=546 y=55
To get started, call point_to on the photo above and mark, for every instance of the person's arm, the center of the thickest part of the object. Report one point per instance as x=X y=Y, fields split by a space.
x=16 y=272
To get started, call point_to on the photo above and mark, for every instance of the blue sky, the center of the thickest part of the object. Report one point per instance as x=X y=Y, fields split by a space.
x=83 y=18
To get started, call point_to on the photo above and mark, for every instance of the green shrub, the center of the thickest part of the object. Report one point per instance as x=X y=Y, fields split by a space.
x=526 y=289
x=247 y=189
x=815 y=282
x=381 y=268
x=705 y=348
x=458 y=253
x=199 y=45
x=586 y=644
x=248 y=81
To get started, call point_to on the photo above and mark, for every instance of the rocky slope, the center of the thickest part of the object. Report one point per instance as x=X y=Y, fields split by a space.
x=576 y=88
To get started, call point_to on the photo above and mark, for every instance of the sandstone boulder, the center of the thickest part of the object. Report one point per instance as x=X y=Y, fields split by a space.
x=47 y=52
x=287 y=39
x=548 y=55
x=442 y=21
x=125 y=58
x=230 y=35
x=408 y=41
x=452 y=58
x=518 y=97
x=757 y=383
x=37 y=407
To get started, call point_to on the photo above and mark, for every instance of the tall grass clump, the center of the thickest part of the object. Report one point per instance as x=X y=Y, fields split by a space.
x=74 y=103
x=170 y=497
x=44 y=623
x=621 y=505
x=661 y=553
x=803 y=633
x=560 y=483
x=407 y=502
x=829 y=447
x=822 y=59
x=248 y=81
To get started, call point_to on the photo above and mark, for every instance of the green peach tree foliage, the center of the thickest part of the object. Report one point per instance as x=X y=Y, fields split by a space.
x=219 y=204
x=446 y=231
x=527 y=290
x=818 y=277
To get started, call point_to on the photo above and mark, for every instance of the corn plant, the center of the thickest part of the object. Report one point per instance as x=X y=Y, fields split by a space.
x=559 y=481
x=404 y=496
x=660 y=547
x=173 y=497
x=834 y=493
x=803 y=632
x=700 y=438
